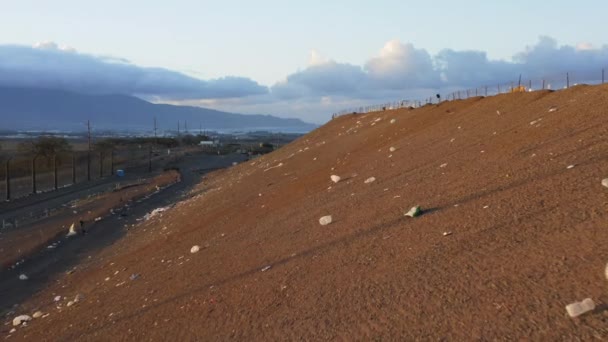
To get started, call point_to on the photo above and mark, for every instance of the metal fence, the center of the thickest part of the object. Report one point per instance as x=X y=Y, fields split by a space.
x=553 y=82
x=25 y=175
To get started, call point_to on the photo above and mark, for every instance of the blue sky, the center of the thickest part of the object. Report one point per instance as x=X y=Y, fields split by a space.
x=266 y=47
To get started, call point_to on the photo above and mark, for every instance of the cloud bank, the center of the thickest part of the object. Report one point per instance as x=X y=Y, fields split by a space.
x=397 y=71
x=47 y=65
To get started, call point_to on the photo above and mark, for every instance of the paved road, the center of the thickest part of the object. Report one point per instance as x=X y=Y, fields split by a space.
x=42 y=267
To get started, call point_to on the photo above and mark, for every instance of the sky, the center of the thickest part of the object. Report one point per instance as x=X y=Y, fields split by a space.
x=304 y=59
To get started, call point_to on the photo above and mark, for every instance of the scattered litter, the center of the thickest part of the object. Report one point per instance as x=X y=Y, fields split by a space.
x=23 y=277
x=443 y=165
x=578 y=308
x=266 y=268
x=532 y=123
x=97 y=219
x=155 y=212
x=498 y=112
x=605 y=182
x=552 y=109
x=335 y=178
x=396 y=196
x=72 y=231
x=78 y=298
x=370 y=180
x=134 y=276
x=21 y=319
x=195 y=249
x=392 y=149
x=570 y=167
x=415 y=211
x=37 y=314
x=12 y=331
x=393 y=121
x=447 y=233
x=486 y=206
x=274 y=167
x=70 y=303
x=325 y=220
x=57 y=298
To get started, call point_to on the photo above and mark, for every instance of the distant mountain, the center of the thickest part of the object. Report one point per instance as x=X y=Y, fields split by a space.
x=50 y=109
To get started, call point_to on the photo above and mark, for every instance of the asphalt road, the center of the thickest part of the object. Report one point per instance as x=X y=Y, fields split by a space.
x=42 y=267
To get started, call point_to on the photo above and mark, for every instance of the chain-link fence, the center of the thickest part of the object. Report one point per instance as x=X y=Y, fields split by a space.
x=552 y=82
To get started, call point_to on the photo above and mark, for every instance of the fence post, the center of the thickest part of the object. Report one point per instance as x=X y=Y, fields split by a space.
x=100 y=165
x=55 y=171
x=73 y=168
x=567 y=80
x=34 y=175
x=112 y=162
x=8 y=179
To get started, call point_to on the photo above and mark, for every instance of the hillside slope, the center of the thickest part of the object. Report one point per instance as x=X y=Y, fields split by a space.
x=528 y=235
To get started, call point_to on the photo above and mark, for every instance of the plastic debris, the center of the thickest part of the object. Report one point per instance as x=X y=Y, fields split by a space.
x=266 y=268
x=72 y=231
x=134 y=276
x=552 y=109
x=325 y=220
x=57 y=298
x=393 y=121
x=570 y=167
x=23 y=277
x=578 y=308
x=415 y=211
x=21 y=319
x=605 y=182
x=335 y=178
x=195 y=249
x=370 y=180
x=392 y=149
x=447 y=233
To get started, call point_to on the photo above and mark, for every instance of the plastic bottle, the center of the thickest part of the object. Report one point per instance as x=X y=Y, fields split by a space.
x=578 y=308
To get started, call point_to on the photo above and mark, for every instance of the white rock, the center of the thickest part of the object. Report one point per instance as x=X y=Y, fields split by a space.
x=57 y=298
x=23 y=277
x=447 y=233
x=605 y=182
x=72 y=231
x=552 y=109
x=70 y=303
x=370 y=180
x=570 y=167
x=12 y=331
x=266 y=268
x=335 y=178
x=393 y=121
x=21 y=319
x=37 y=314
x=578 y=308
x=325 y=220
x=443 y=165
x=195 y=249
x=392 y=149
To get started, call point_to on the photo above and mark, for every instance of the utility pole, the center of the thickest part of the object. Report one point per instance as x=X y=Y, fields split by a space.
x=89 y=151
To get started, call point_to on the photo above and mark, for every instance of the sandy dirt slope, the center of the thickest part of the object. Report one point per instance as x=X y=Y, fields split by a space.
x=516 y=180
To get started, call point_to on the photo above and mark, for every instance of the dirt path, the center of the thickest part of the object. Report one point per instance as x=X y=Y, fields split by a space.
x=43 y=267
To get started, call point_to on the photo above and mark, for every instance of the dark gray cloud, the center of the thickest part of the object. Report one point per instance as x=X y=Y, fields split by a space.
x=49 y=66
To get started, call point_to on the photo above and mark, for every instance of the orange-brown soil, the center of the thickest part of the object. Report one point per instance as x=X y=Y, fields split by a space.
x=528 y=236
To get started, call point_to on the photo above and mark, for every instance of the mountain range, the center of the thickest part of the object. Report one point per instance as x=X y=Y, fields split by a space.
x=52 y=109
